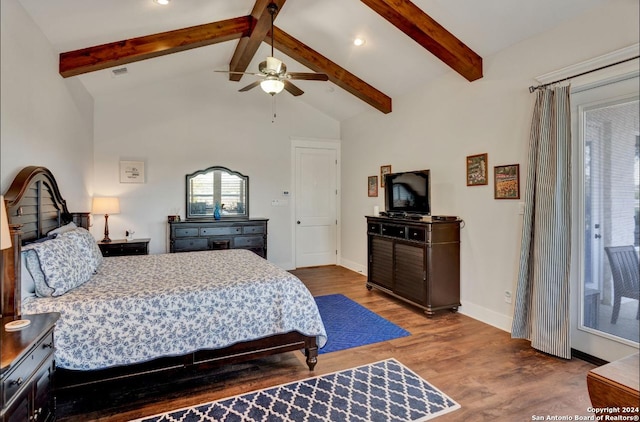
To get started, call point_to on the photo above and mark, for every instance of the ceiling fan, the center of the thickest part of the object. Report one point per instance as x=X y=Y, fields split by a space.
x=274 y=73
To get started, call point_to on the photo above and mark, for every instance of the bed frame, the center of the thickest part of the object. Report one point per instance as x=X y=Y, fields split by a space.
x=34 y=207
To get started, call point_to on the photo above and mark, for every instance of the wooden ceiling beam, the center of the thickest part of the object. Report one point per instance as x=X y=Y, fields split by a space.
x=248 y=45
x=315 y=61
x=419 y=26
x=118 y=53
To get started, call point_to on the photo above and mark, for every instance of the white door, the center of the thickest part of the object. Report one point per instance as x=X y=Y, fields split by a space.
x=606 y=185
x=316 y=193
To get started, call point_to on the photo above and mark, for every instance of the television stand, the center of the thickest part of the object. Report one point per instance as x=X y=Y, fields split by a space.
x=416 y=261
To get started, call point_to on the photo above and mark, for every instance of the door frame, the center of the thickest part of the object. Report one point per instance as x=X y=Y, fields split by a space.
x=585 y=339
x=314 y=143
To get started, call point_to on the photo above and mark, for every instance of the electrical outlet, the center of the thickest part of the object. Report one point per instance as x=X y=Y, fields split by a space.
x=507 y=296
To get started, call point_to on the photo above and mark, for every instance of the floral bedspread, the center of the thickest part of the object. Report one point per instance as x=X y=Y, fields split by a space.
x=137 y=308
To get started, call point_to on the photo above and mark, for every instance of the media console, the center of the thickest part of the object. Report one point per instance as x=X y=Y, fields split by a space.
x=416 y=260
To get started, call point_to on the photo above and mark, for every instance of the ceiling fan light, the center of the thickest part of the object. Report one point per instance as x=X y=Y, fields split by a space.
x=272 y=86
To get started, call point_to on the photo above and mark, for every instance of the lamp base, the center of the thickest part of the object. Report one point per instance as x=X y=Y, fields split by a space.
x=106 y=240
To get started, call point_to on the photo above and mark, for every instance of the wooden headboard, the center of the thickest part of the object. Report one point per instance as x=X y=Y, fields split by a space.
x=34 y=208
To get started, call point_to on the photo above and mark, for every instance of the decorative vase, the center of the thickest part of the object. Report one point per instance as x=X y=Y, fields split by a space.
x=216 y=212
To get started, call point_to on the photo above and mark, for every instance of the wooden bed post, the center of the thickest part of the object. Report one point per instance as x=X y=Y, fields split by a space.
x=10 y=284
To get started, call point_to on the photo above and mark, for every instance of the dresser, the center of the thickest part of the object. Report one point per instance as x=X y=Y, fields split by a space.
x=416 y=261
x=125 y=247
x=27 y=368
x=615 y=387
x=251 y=234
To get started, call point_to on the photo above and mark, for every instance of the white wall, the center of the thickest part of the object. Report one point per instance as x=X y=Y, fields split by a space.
x=184 y=125
x=45 y=120
x=437 y=126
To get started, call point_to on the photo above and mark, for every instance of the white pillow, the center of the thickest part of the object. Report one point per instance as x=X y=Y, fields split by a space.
x=63 y=229
x=27 y=283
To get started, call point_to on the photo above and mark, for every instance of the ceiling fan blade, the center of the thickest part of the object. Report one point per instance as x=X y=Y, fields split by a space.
x=239 y=73
x=301 y=76
x=250 y=86
x=293 y=90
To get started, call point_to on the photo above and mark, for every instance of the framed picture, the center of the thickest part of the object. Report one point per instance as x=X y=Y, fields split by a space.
x=507 y=181
x=384 y=170
x=131 y=171
x=372 y=185
x=477 y=170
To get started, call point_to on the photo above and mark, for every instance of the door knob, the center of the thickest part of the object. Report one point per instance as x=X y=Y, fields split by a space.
x=298 y=222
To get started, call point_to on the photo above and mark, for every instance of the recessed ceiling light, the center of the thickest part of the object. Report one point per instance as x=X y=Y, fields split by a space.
x=121 y=71
x=162 y=2
x=359 y=41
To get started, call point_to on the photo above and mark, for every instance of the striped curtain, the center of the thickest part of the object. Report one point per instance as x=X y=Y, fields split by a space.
x=541 y=312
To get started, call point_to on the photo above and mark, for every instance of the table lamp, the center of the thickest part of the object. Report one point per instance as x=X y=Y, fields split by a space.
x=106 y=206
x=5 y=235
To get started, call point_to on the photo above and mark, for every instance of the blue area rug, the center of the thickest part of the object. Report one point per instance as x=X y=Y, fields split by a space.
x=384 y=391
x=350 y=324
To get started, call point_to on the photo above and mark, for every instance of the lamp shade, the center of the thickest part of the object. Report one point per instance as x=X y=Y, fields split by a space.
x=106 y=205
x=5 y=235
x=272 y=85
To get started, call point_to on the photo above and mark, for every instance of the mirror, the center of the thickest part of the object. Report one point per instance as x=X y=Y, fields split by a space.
x=217 y=185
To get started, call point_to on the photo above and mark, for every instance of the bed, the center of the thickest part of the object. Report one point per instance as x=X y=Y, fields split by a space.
x=145 y=313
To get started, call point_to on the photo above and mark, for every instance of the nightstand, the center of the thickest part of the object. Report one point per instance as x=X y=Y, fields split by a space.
x=125 y=247
x=26 y=371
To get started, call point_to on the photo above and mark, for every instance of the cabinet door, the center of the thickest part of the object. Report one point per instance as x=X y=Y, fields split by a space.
x=410 y=272
x=42 y=398
x=381 y=262
x=443 y=275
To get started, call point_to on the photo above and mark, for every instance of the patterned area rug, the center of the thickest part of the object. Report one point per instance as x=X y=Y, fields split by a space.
x=350 y=324
x=384 y=391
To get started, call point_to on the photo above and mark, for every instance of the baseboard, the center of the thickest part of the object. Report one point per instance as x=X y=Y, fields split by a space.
x=486 y=315
x=353 y=266
x=587 y=357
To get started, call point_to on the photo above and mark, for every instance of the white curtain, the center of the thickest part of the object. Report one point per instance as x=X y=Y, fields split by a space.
x=541 y=312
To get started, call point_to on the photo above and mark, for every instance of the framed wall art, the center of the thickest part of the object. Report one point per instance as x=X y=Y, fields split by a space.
x=384 y=170
x=131 y=171
x=507 y=181
x=477 y=170
x=372 y=185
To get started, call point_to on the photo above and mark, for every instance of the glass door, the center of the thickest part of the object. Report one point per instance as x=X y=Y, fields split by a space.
x=606 y=194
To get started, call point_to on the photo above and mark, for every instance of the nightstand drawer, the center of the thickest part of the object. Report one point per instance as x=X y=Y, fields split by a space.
x=123 y=247
x=26 y=368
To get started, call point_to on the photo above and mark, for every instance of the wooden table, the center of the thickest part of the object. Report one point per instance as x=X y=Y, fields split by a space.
x=615 y=385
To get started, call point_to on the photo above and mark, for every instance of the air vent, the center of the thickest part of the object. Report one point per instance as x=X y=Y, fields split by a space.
x=121 y=71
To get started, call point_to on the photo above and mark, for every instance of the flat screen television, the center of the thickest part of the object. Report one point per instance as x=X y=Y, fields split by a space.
x=408 y=192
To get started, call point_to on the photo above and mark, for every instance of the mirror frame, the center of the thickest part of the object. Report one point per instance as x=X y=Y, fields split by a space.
x=188 y=177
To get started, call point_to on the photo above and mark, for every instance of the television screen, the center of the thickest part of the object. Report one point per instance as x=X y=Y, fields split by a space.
x=408 y=192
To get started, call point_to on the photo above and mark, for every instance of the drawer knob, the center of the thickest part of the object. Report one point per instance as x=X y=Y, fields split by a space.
x=19 y=381
x=47 y=346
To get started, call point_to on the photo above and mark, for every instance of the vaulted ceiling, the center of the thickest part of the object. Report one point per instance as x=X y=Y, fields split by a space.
x=407 y=43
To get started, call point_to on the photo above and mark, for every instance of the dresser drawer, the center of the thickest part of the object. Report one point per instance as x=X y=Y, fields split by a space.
x=248 y=242
x=373 y=228
x=27 y=367
x=187 y=232
x=219 y=231
x=191 y=244
x=417 y=234
x=253 y=229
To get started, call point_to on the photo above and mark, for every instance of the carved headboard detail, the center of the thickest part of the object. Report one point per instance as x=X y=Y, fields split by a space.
x=34 y=208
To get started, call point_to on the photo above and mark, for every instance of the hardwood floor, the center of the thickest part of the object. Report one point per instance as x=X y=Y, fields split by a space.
x=492 y=376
